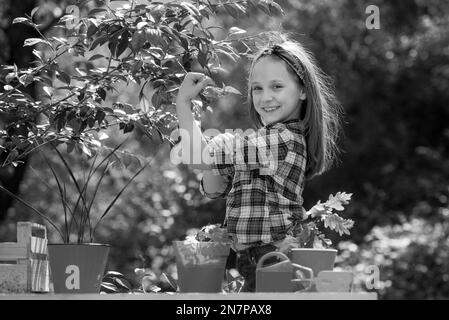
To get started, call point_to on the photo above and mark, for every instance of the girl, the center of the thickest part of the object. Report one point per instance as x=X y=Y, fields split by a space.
x=262 y=174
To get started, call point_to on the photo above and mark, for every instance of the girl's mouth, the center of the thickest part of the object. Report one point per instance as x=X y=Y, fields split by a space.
x=270 y=109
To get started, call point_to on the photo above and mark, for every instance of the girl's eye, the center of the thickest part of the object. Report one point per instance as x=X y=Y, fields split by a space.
x=278 y=86
x=256 y=88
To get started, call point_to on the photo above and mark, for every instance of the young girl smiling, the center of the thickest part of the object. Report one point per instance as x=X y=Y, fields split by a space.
x=262 y=174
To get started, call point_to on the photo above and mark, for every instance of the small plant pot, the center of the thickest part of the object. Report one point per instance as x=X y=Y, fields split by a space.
x=77 y=268
x=201 y=265
x=316 y=259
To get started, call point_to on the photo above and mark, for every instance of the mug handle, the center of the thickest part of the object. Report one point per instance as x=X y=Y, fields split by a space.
x=269 y=255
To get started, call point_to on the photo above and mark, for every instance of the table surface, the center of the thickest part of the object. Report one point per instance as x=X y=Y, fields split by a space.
x=198 y=296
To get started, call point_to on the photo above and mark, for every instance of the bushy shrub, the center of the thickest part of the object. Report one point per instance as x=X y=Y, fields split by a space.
x=412 y=259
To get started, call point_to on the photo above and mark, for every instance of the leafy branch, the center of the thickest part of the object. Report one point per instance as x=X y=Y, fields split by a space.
x=308 y=233
x=153 y=45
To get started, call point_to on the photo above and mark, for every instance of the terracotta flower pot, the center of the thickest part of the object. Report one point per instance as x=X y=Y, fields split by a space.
x=77 y=268
x=200 y=265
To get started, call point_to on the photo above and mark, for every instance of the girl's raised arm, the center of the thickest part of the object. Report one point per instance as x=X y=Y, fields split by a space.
x=193 y=142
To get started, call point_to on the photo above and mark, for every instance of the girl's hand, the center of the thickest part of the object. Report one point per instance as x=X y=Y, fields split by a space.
x=223 y=141
x=192 y=85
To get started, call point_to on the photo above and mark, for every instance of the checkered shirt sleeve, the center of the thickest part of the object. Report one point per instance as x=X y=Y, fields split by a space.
x=264 y=150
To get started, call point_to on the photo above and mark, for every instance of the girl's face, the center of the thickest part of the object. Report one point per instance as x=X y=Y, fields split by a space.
x=277 y=95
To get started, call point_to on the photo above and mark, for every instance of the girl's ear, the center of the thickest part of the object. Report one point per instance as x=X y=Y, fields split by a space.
x=302 y=94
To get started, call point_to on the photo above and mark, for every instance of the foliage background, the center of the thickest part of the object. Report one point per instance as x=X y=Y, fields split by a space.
x=394 y=86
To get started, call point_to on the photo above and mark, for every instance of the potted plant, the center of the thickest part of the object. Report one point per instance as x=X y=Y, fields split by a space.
x=311 y=248
x=77 y=263
x=201 y=259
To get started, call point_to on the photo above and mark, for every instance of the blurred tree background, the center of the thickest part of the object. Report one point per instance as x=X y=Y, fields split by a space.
x=393 y=83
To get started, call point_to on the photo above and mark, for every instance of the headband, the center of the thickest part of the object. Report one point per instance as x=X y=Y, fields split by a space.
x=290 y=59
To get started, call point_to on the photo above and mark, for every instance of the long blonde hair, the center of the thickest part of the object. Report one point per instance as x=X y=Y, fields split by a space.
x=321 y=118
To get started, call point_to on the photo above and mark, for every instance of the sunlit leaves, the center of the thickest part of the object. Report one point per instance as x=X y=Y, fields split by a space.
x=97 y=11
x=138 y=40
x=323 y=212
x=152 y=44
x=336 y=202
x=64 y=77
x=20 y=20
x=236 y=31
x=335 y=222
x=34 y=41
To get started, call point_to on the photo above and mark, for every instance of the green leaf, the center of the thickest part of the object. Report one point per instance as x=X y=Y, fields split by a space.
x=33 y=41
x=252 y=4
x=202 y=58
x=91 y=122
x=102 y=136
x=126 y=286
x=99 y=117
x=227 y=54
x=141 y=24
x=153 y=36
x=123 y=43
x=317 y=210
x=136 y=67
x=20 y=20
x=241 y=8
x=86 y=150
x=114 y=273
x=10 y=77
x=37 y=54
x=236 y=31
x=64 y=77
x=102 y=93
x=336 y=202
x=91 y=30
x=191 y=9
x=120 y=112
x=95 y=11
x=171 y=281
x=275 y=9
x=232 y=9
x=344 y=197
x=137 y=40
x=108 y=287
x=96 y=57
x=229 y=89
x=26 y=79
x=128 y=127
x=262 y=5
x=48 y=90
x=337 y=223
x=98 y=42
x=68 y=17
x=33 y=12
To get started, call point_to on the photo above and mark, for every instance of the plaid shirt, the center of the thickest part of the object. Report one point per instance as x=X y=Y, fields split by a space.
x=265 y=180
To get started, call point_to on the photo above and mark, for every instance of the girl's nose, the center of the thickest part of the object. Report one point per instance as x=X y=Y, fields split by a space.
x=267 y=96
